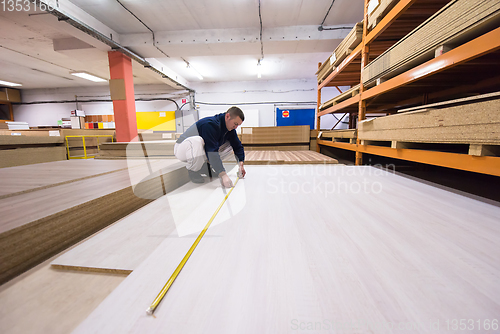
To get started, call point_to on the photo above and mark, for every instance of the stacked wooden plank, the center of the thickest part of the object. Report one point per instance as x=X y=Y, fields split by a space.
x=475 y=122
x=353 y=91
x=347 y=135
x=377 y=9
x=455 y=23
x=152 y=148
x=287 y=158
x=18 y=150
x=279 y=138
x=44 y=219
x=146 y=136
x=345 y=47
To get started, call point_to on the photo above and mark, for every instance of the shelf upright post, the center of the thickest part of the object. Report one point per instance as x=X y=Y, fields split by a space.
x=318 y=121
x=364 y=61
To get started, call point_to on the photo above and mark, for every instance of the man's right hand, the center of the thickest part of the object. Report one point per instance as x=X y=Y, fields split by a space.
x=225 y=180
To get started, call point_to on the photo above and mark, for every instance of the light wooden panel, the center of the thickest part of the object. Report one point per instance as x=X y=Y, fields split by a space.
x=38 y=224
x=123 y=246
x=47 y=297
x=286 y=157
x=18 y=179
x=298 y=256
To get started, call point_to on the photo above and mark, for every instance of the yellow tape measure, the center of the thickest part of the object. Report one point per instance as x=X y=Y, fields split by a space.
x=177 y=270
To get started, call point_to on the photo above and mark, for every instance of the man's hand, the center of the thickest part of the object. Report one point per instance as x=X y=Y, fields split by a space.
x=241 y=172
x=225 y=181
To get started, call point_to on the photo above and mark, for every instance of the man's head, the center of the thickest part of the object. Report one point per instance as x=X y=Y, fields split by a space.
x=234 y=118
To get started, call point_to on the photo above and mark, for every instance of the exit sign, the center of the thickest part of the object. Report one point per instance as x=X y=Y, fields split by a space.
x=184 y=100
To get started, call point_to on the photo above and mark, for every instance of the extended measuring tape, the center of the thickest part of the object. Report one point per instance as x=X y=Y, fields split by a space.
x=177 y=270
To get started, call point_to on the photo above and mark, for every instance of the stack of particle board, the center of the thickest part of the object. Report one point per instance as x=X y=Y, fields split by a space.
x=40 y=221
x=287 y=158
x=377 y=9
x=347 y=135
x=276 y=138
x=461 y=122
x=146 y=136
x=341 y=52
x=17 y=149
x=455 y=23
x=153 y=148
x=341 y=97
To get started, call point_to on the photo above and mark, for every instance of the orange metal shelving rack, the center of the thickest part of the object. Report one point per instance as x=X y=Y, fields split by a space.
x=406 y=88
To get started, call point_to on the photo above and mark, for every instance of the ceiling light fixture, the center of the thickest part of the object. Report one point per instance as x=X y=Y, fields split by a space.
x=259 y=69
x=194 y=71
x=7 y=83
x=88 y=76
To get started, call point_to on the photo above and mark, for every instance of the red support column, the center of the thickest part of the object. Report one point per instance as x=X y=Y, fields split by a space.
x=122 y=94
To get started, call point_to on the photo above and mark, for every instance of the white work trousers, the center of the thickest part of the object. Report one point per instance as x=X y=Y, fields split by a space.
x=192 y=152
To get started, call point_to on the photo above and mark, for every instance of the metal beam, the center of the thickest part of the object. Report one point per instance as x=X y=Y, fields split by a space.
x=244 y=35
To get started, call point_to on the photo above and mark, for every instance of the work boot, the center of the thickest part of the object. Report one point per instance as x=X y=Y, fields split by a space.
x=195 y=177
x=205 y=169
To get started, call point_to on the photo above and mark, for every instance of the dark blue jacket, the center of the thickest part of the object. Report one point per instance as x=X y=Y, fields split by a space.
x=214 y=132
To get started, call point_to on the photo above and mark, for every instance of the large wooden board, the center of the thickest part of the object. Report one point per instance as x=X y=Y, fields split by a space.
x=123 y=246
x=411 y=255
x=38 y=224
x=15 y=180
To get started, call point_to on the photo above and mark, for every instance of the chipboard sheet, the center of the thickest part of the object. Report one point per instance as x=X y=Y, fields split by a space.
x=123 y=246
x=324 y=248
x=34 y=177
x=27 y=207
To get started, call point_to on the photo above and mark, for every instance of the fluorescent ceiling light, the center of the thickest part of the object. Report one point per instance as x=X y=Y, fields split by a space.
x=195 y=72
x=7 y=83
x=88 y=76
x=259 y=69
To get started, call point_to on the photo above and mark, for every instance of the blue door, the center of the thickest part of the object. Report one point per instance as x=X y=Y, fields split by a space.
x=288 y=117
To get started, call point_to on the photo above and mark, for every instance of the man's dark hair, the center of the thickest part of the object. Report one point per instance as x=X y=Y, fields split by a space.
x=236 y=112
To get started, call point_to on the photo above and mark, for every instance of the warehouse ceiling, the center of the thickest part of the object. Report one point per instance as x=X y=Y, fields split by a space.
x=221 y=39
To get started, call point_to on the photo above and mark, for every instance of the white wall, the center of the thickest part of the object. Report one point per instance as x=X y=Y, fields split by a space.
x=48 y=114
x=263 y=96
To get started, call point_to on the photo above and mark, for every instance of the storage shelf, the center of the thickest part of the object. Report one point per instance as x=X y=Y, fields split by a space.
x=477 y=164
x=471 y=68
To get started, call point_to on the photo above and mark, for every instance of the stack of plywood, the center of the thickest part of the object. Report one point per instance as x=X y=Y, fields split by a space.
x=377 y=9
x=459 y=122
x=455 y=23
x=341 y=52
x=346 y=135
x=17 y=149
x=341 y=97
x=287 y=158
x=147 y=136
x=276 y=138
x=55 y=205
x=153 y=148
